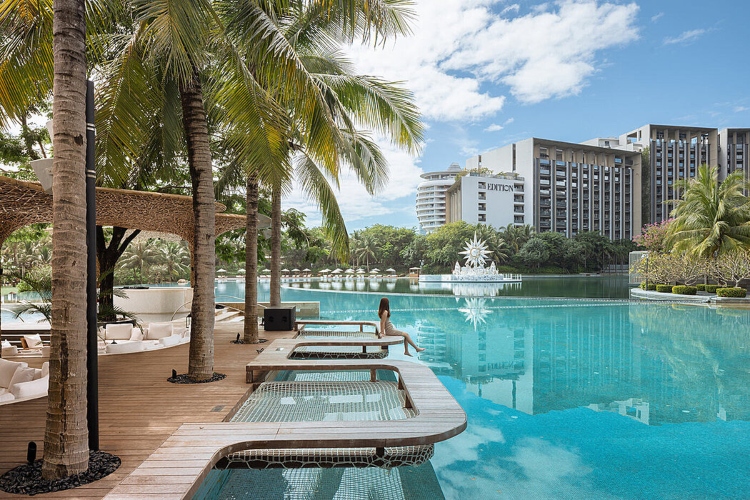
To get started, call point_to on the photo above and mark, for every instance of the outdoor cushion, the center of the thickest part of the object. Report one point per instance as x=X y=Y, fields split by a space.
x=22 y=374
x=33 y=341
x=45 y=369
x=125 y=347
x=6 y=396
x=7 y=369
x=6 y=343
x=136 y=334
x=159 y=330
x=171 y=340
x=119 y=331
x=31 y=389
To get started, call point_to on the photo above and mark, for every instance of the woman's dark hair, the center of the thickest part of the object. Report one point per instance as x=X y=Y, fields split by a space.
x=384 y=306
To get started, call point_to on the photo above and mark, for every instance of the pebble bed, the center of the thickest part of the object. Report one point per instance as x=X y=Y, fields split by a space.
x=27 y=479
x=185 y=379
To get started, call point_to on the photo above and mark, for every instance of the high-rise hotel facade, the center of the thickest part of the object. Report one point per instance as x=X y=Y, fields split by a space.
x=567 y=187
x=595 y=185
x=675 y=153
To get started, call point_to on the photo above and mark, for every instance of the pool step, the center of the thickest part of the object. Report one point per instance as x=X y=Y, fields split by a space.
x=226 y=315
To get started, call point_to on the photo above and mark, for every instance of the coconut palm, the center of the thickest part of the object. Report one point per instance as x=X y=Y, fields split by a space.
x=710 y=218
x=516 y=236
x=66 y=449
x=336 y=141
x=367 y=249
x=139 y=255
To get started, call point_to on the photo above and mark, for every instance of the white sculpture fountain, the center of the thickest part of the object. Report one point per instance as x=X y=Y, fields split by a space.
x=477 y=255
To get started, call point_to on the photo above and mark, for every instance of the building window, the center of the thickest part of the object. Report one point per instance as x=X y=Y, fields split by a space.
x=482 y=218
x=483 y=207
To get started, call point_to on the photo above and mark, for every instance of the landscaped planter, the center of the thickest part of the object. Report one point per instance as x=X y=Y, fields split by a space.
x=664 y=288
x=685 y=289
x=736 y=292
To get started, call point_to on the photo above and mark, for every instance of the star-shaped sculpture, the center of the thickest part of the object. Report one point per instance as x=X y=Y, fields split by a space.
x=476 y=252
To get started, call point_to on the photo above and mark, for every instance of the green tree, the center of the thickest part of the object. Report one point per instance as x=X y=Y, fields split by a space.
x=516 y=236
x=534 y=253
x=711 y=218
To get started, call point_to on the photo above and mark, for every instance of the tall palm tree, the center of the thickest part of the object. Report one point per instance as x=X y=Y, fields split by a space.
x=367 y=249
x=335 y=141
x=710 y=218
x=66 y=449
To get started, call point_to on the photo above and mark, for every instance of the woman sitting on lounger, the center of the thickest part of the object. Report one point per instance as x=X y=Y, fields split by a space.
x=386 y=327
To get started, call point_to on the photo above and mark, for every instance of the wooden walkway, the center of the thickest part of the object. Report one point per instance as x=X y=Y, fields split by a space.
x=138 y=408
x=188 y=455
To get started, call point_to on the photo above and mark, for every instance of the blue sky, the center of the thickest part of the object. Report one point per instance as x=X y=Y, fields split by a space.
x=486 y=73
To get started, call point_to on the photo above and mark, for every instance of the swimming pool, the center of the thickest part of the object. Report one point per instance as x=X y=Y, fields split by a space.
x=565 y=398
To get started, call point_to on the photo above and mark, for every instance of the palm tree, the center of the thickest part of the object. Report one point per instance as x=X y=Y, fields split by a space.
x=66 y=449
x=710 y=218
x=346 y=99
x=175 y=257
x=138 y=255
x=367 y=249
x=516 y=236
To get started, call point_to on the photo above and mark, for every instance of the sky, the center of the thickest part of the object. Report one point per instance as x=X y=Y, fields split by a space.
x=487 y=73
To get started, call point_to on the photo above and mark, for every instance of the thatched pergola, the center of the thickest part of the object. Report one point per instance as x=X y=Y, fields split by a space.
x=23 y=203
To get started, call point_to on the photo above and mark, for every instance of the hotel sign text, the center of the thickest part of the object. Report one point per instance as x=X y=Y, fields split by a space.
x=499 y=187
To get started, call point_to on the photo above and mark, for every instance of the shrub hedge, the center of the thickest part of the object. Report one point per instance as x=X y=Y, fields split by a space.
x=731 y=292
x=712 y=288
x=685 y=289
x=664 y=288
x=701 y=287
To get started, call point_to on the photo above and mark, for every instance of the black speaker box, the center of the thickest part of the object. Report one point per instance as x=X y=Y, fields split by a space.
x=279 y=318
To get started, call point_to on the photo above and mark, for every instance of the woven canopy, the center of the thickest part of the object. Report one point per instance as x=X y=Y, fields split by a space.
x=23 y=203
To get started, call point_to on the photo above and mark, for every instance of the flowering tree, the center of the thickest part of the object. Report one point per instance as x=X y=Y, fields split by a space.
x=653 y=236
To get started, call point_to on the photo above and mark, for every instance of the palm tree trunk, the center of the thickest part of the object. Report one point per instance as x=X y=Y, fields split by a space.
x=66 y=449
x=201 y=361
x=276 y=246
x=251 y=261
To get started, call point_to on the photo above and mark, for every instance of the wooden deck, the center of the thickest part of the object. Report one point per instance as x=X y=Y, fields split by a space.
x=187 y=455
x=138 y=408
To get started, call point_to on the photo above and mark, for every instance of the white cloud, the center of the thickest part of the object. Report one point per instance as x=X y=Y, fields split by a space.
x=462 y=49
x=510 y=8
x=509 y=121
x=740 y=109
x=656 y=17
x=686 y=36
x=494 y=128
x=549 y=53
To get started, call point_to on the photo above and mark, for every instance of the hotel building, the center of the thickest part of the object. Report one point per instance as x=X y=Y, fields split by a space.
x=569 y=187
x=431 y=197
x=595 y=185
x=495 y=200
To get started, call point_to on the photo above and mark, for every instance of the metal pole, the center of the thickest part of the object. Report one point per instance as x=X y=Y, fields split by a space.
x=92 y=388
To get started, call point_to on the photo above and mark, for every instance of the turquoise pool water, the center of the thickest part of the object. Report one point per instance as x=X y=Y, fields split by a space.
x=565 y=398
